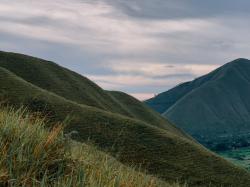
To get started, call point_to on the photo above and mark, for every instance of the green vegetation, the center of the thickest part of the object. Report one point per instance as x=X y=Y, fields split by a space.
x=31 y=155
x=74 y=87
x=240 y=156
x=214 y=109
x=127 y=130
x=226 y=142
x=106 y=171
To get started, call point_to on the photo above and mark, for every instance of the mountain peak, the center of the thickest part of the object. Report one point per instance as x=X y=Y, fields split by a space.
x=241 y=61
x=241 y=64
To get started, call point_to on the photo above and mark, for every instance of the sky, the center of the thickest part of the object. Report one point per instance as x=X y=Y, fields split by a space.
x=141 y=47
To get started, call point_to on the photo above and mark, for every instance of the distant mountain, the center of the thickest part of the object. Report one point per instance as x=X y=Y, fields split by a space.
x=213 y=108
x=115 y=122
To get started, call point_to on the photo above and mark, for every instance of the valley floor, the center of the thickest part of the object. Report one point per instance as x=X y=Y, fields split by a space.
x=240 y=156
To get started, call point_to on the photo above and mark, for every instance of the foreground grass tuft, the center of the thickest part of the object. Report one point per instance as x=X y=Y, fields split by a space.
x=31 y=155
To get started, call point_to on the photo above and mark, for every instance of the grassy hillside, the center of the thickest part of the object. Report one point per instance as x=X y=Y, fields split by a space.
x=141 y=111
x=62 y=81
x=74 y=87
x=215 y=107
x=31 y=155
x=162 y=151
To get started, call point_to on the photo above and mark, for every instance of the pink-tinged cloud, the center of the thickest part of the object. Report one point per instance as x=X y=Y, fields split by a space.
x=142 y=96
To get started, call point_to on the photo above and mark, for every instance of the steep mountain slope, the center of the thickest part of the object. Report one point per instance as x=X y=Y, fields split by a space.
x=214 y=106
x=165 y=152
x=162 y=102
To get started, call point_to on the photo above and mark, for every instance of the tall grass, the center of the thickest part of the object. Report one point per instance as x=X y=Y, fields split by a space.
x=29 y=154
x=32 y=155
x=103 y=170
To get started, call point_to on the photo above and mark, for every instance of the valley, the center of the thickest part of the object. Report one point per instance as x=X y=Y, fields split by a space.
x=239 y=156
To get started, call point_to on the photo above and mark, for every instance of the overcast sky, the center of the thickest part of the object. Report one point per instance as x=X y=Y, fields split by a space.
x=141 y=47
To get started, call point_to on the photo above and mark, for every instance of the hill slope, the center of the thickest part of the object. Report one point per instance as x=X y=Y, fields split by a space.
x=66 y=163
x=163 y=151
x=72 y=86
x=212 y=107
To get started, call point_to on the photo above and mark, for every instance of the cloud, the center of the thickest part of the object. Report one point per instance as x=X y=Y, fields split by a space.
x=124 y=81
x=143 y=96
x=176 y=9
x=141 y=47
x=156 y=69
x=148 y=76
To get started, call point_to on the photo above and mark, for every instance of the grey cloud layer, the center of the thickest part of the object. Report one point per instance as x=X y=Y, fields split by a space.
x=138 y=46
x=179 y=9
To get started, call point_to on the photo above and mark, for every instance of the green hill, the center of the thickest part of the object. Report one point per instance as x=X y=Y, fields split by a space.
x=213 y=108
x=72 y=86
x=138 y=137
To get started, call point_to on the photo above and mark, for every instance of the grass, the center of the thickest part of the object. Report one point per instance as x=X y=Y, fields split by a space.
x=103 y=170
x=72 y=86
x=141 y=140
x=31 y=155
